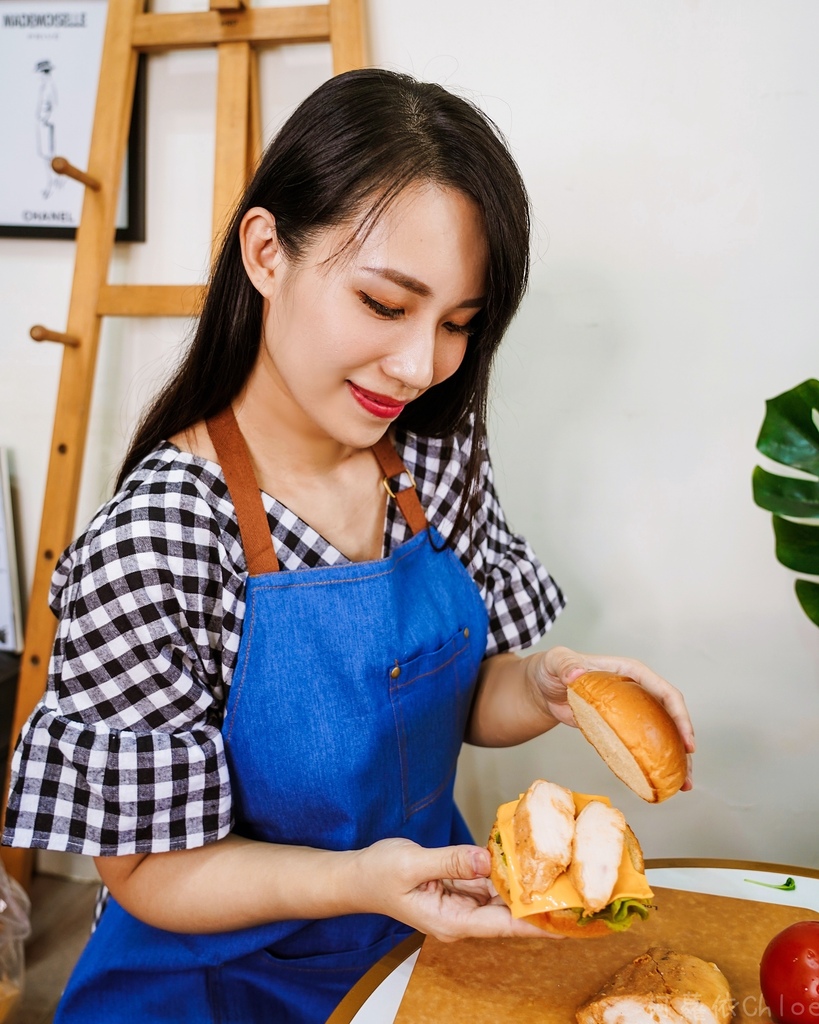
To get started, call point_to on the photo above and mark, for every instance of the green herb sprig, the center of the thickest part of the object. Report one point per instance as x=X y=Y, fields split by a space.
x=787 y=886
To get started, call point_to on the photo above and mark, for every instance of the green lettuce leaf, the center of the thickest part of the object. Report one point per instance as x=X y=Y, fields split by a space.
x=619 y=914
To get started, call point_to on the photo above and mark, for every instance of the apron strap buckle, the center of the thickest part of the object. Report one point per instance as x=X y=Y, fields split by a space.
x=390 y=491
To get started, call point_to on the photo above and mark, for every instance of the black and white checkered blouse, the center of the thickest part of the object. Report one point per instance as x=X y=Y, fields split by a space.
x=124 y=753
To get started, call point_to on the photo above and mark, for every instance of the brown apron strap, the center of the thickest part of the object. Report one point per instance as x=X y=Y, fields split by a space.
x=408 y=501
x=234 y=458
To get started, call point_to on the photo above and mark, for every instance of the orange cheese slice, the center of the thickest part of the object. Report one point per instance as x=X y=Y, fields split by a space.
x=562 y=894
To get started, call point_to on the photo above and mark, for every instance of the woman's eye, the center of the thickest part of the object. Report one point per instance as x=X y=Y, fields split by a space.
x=466 y=329
x=388 y=312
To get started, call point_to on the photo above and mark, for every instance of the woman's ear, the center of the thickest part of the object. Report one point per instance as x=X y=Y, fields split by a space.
x=260 y=247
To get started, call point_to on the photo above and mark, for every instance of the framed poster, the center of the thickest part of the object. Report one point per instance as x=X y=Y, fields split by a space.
x=50 y=57
x=11 y=620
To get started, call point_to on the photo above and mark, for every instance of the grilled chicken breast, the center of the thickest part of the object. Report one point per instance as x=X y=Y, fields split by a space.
x=544 y=830
x=599 y=837
x=662 y=987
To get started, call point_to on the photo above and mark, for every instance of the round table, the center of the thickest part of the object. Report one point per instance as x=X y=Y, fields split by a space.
x=376 y=998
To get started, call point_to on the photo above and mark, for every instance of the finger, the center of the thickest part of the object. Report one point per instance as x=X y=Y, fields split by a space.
x=520 y=926
x=689 y=775
x=674 y=703
x=453 y=862
x=479 y=889
x=565 y=664
x=669 y=696
x=522 y=929
x=495 y=921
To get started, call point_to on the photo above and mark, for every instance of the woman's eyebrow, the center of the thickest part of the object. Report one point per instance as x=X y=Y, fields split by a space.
x=412 y=284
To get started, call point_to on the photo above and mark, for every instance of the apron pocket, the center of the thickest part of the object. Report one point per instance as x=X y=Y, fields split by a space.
x=430 y=697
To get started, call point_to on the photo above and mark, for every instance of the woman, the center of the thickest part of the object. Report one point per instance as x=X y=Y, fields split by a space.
x=262 y=760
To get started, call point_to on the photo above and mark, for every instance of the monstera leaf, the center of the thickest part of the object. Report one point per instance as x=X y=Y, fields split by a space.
x=790 y=436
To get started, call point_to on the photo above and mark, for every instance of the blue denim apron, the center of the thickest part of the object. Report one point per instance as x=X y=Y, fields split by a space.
x=344 y=720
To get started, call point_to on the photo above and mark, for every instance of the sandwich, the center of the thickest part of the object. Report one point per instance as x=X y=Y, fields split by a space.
x=568 y=863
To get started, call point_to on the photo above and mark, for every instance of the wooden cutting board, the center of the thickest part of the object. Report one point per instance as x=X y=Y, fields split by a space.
x=543 y=981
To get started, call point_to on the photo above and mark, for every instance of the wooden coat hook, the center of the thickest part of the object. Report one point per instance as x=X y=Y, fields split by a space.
x=130 y=32
x=61 y=166
x=40 y=333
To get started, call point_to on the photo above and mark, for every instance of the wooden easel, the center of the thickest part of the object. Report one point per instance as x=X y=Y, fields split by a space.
x=237 y=33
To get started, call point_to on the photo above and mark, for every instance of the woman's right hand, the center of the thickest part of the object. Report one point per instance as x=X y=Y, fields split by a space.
x=237 y=883
x=443 y=892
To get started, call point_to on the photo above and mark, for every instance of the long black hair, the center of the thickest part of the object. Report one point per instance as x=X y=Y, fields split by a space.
x=344 y=154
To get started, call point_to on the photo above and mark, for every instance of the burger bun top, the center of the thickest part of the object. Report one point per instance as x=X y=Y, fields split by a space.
x=632 y=732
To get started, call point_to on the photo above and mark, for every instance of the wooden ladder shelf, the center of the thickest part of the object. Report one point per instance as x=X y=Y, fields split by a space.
x=237 y=32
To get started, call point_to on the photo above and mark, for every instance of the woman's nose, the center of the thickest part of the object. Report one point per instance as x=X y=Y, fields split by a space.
x=413 y=362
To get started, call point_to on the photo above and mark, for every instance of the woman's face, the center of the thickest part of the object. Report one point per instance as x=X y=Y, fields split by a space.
x=348 y=342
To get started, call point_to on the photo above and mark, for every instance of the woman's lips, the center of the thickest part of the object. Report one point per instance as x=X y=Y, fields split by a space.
x=379 y=405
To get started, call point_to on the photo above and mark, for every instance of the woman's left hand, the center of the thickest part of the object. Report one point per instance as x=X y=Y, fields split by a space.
x=550 y=672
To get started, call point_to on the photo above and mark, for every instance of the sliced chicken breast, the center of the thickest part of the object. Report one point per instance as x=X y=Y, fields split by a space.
x=599 y=837
x=544 y=828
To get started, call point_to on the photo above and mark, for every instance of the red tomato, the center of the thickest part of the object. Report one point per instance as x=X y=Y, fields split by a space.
x=789 y=974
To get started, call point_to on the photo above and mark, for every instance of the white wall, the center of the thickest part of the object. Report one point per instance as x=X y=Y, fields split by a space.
x=671 y=154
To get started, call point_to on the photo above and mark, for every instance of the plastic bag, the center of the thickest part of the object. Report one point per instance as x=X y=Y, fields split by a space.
x=15 y=926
